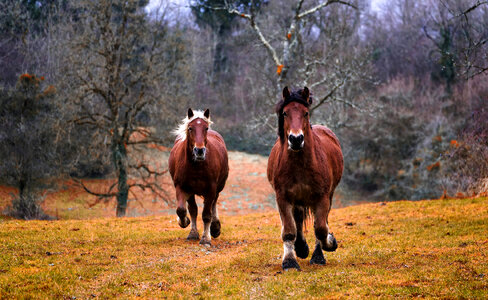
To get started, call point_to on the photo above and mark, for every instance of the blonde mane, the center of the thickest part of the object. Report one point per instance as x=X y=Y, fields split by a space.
x=181 y=131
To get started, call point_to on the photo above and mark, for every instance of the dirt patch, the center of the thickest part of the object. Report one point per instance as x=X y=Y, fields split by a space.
x=247 y=190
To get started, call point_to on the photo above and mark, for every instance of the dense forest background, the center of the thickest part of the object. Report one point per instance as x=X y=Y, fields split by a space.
x=86 y=85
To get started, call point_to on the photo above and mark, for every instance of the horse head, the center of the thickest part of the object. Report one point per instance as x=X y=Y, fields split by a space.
x=198 y=124
x=293 y=117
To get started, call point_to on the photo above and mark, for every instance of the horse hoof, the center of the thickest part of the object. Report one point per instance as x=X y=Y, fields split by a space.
x=317 y=257
x=193 y=236
x=205 y=243
x=331 y=244
x=301 y=248
x=290 y=263
x=185 y=223
x=317 y=260
x=215 y=229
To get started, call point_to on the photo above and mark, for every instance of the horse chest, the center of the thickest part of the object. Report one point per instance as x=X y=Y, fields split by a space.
x=196 y=180
x=301 y=184
x=299 y=192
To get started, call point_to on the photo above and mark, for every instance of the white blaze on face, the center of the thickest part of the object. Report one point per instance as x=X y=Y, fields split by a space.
x=199 y=122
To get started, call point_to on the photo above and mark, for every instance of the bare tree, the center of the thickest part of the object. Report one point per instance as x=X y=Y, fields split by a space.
x=127 y=71
x=293 y=51
x=297 y=43
x=31 y=139
x=458 y=31
x=474 y=23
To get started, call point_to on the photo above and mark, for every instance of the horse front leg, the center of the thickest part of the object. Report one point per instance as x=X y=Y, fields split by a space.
x=215 y=225
x=288 y=234
x=182 y=197
x=323 y=238
x=193 y=209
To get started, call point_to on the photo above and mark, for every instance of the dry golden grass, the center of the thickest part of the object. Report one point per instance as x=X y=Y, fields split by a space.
x=434 y=249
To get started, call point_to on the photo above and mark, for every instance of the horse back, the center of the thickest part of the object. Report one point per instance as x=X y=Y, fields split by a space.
x=218 y=161
x=328 y=144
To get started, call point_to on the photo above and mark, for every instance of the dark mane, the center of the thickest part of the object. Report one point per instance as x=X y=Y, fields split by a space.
x=295 y=96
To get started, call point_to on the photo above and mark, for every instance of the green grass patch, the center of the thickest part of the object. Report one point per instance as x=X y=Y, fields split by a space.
x=402 y=249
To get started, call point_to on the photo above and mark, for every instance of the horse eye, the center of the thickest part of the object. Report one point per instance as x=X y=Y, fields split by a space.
x=284 y=114
x=306 y=114
x=206 y=129
x=189 y=128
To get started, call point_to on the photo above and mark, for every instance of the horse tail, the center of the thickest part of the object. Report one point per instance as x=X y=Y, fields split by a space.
x=307 y=216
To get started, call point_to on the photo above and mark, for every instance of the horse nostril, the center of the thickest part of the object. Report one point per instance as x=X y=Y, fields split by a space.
x=295 y=138
x=296 y=141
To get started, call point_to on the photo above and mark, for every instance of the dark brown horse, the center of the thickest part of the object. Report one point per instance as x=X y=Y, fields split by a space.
x=198 y=165
x=304 y=168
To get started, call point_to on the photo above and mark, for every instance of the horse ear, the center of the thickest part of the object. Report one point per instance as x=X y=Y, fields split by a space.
x=286 y=93
x=190 y=113
x=306 y=95
x=206 y=114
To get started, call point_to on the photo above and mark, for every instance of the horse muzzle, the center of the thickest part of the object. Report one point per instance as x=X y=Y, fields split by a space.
x=199 y=153
x=296 y=142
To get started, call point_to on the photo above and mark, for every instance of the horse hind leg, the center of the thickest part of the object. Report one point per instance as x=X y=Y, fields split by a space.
x=215 y=225
x=193 y=210
x=331 y=242
x=317 y=255
x=301 y=246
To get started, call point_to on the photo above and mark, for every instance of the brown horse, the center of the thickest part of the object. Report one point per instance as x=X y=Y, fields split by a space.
x=198 y=165
x=304 y=168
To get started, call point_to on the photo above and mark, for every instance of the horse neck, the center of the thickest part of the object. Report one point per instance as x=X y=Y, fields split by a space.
x=188 y=151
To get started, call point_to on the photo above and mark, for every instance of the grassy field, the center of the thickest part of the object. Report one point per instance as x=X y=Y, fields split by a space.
x=433 y=248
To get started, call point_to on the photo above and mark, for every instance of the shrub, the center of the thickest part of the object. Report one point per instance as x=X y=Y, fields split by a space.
x=27 y=207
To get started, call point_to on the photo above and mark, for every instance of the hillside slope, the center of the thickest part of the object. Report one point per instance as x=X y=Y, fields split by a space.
x=433 y=248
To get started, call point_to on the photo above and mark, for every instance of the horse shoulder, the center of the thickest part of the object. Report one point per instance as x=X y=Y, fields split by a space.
x=214 y=135
x=325 y=134
x=331 y=149
x=218 y=160
x=217 y=142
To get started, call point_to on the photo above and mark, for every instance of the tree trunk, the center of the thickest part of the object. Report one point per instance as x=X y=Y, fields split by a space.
x=22 y=185
x=120 y=161
x=221 y=56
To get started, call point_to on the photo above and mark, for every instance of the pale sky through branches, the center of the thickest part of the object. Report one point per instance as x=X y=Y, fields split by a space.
x=181 y=7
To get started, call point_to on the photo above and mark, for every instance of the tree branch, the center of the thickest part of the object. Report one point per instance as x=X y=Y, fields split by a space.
x=324 y=4
x=99 y=195
x=257 y=30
